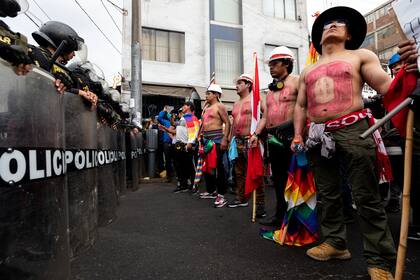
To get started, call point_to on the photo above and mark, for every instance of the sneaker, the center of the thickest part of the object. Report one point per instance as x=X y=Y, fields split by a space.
x=413 y=235
x=325 y=252
x=220 y=201
x=237 y=203
x=260 y=212
x=377 y=273
x=208 y=195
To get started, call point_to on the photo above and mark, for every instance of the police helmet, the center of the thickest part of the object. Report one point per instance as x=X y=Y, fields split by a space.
x=52 y=33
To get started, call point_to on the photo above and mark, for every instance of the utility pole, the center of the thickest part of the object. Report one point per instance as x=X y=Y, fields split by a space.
x=136 y=87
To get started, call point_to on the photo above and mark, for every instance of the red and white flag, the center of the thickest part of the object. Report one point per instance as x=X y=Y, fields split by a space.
x=255 y=170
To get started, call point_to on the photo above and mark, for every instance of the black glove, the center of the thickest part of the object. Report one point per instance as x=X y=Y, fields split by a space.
x=59 y=72
x=14 y=54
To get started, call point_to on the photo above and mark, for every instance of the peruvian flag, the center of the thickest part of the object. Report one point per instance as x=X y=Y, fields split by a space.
x=401 y=87
x=255 y=169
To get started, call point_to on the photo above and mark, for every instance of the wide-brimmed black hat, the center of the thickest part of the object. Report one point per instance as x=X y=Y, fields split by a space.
x=356 y=26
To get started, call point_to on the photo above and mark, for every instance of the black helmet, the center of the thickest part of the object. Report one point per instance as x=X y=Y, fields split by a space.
x=52 y=33
x=9 y=8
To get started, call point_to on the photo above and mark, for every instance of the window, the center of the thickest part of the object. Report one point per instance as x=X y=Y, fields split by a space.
x=227 y=11
x=369 y=41
x=386 y=32
x=269 y=47
x=280 y=8
x=386 y=54
x=227 y=61
x=370 y=18
x=162 y=45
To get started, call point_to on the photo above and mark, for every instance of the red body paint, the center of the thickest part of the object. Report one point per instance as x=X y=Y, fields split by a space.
x=241 y=118
x=329 y=89
x=280 y=105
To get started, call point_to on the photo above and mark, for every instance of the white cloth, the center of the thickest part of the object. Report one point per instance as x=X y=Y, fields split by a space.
x=181 y=132
x=318 y=135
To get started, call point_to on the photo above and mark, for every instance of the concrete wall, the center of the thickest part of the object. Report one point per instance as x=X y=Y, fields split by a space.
x=191 y=17
x=259 y=29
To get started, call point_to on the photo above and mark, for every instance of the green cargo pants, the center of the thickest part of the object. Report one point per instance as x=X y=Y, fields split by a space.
x=359 y=159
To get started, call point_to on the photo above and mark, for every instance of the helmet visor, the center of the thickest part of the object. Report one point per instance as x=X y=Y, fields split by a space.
x=81 y=55
x=24 y=6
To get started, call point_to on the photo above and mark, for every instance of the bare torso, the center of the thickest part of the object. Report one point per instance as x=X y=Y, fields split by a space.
x=280 y=104
x=241 y=113
x=212 y=119
x=333 y=87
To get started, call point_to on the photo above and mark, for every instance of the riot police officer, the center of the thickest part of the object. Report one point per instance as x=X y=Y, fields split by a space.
x=57 y=45
x=13 y=46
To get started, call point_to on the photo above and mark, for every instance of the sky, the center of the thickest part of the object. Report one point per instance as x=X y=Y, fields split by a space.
x=100 y=51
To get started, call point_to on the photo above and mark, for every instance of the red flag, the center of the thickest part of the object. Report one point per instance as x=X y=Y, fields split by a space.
x=255 y=169
x=401 y=87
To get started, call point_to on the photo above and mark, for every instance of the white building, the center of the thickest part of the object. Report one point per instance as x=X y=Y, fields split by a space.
x=184 y=41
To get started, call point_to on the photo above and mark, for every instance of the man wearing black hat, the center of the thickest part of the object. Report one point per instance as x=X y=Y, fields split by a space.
x=330 y=97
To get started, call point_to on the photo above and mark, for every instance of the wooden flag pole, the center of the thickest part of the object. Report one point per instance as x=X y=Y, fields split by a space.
x=254 y=205
x=283 y=234
x=405 y=214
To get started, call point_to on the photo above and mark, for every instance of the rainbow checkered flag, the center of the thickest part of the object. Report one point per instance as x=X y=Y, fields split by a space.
x=300 y=224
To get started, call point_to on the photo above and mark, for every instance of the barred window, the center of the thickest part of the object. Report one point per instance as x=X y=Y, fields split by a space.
x=227 y=61
x=280 y=8
x=163 y=45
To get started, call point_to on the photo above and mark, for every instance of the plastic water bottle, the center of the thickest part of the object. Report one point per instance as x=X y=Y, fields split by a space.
x=300 y=155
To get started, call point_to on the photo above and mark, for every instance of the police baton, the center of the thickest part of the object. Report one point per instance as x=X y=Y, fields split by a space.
x=57 y=53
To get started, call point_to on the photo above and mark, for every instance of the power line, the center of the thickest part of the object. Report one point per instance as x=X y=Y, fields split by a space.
x=100 y=30
x=112 y=18
x=123 y=11
x=42 y=10
x=32 y=20
x=33 y=15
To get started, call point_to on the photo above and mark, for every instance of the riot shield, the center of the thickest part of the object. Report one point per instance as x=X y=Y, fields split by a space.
x=33 y=194
x=80 y=124
x=107 y=176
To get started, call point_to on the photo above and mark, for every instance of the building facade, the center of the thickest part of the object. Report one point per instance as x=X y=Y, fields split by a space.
x=184 y=41
x=383 y=35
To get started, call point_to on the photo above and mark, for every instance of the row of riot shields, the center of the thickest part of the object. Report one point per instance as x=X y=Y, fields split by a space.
x=61 y=175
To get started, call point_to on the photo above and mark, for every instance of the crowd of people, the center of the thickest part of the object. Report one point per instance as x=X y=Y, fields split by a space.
x=323 y=111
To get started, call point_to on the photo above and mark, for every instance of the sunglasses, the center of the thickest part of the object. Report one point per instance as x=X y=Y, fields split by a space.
x=336 y=22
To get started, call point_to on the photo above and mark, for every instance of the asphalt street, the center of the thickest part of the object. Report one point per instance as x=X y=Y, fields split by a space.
x=162 y=235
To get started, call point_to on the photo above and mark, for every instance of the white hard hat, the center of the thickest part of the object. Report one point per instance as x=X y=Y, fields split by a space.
x=246 y=77
x=215 y=88
x=281 y=52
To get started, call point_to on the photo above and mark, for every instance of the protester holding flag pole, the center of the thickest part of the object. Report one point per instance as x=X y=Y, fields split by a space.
x=330 y=98
x=278 y=116
x=246 y=126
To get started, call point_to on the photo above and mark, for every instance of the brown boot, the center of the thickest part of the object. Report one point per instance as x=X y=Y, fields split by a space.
x=325 y=252
x=377 y=273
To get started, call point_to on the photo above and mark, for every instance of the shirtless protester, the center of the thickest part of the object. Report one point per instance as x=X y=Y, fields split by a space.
x=277 y=118
x=241 y=131
x=215 y=142
x=330 y=98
